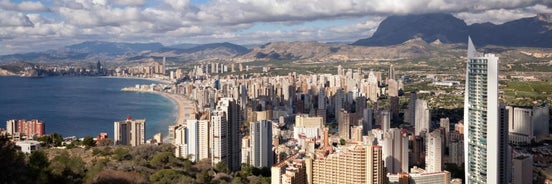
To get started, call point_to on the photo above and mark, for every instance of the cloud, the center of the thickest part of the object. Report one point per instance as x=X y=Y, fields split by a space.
x=129 y=2
x=13 y=18
x=59 y=22
x=499 y=16
x=22 y=6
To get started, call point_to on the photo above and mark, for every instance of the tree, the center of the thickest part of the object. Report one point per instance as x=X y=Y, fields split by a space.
x=88 y=141
x=342 y=141
x=67 y=169
x=163 y=159
x=12 y=162
x=221 y=167
x=38 y=165
x=165 y=176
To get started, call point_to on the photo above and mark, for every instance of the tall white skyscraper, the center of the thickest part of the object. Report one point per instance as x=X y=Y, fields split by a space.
x=434 y=151
x=261 y=144
x=422 y=117
x=129 y=132
x=485 y=131
x=191 y=140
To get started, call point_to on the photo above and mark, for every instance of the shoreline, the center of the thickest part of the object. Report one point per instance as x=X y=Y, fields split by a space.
x=149 y=79
x=180 y=101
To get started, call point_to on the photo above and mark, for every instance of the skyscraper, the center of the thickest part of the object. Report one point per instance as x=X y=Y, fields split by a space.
x=434 y=152
x=129 y=132
x=422 y=117
x=261 y=144
x=486 y=134
x=226 y=136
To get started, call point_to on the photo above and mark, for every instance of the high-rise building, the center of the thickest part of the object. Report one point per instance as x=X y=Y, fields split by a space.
x=344 y=124
x=307 y=127
x=261 y=144
x=353 y=164
x=418 y=175
x=520 y=127
x=522 y=169
x=373 y=88
x=456 y=152
x=392 y=72
x=226 y=137
x=423 y=117
x=541 y=115
x=434 y=151
x=129 y=132
x=30 y=129
x=486 y=132
x=395 y=150
x=192 y=140
x=410 y=114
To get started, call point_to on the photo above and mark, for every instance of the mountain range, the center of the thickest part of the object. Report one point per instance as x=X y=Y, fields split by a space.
x=404 y=36
x=525 y=32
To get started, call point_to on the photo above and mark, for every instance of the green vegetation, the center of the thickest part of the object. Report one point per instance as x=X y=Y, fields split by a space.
x=116 y=164
x=527 y=93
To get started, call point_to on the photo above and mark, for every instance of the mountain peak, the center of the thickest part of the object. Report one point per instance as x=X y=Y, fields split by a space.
x=429 y=27
x=527 y=32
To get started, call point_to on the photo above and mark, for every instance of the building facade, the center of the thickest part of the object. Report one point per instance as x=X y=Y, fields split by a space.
x=486 y=133
x=129 y=132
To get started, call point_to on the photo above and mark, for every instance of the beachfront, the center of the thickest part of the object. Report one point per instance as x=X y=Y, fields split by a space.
x=185 y=107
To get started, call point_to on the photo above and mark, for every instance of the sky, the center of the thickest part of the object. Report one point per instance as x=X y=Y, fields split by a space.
x=28 y=26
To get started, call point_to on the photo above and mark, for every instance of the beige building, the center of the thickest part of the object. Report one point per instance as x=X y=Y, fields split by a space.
x=293 y=170
x=352 y=164
x=129 y=132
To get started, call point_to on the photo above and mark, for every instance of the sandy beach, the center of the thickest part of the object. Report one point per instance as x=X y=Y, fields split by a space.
x=185 y=107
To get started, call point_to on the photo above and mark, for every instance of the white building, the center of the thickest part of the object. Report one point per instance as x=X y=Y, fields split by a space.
x=28 y=146
x=434 y=154
x=395 y=150
x=307 y=127
x=520 y=129
x=485 y=129
x=422 y=117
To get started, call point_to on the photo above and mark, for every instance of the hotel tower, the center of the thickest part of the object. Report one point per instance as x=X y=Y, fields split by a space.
x=484 y=126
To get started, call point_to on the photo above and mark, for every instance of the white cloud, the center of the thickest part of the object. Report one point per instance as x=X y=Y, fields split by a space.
x=13 y=18
x=499 y=16
x=170 y=21
x=31 y=6
x=129 y=2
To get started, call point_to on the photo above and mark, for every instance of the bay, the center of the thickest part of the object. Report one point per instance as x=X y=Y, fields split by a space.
x=83 y=106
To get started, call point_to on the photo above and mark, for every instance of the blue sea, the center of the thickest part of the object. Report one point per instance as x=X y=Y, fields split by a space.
x=83 y=106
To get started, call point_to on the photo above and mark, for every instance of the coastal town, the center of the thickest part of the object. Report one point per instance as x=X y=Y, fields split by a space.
x=329 y=127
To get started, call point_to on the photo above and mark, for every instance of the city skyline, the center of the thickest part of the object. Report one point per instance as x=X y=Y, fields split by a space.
x=53 y=24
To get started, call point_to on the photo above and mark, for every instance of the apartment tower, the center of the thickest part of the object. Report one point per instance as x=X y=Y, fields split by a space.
x=486 y=134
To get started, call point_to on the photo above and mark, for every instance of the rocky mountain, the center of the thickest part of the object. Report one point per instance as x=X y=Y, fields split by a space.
x=526 y=32
x=316 y=51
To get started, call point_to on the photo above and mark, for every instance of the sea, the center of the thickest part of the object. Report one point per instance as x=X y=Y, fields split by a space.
x=83 y=106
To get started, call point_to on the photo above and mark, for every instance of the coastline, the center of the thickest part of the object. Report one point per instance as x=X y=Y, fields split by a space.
x=181 y=102
x=141 y=78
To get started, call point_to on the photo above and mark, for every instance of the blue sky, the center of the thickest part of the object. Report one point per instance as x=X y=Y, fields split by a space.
x=27 y=25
